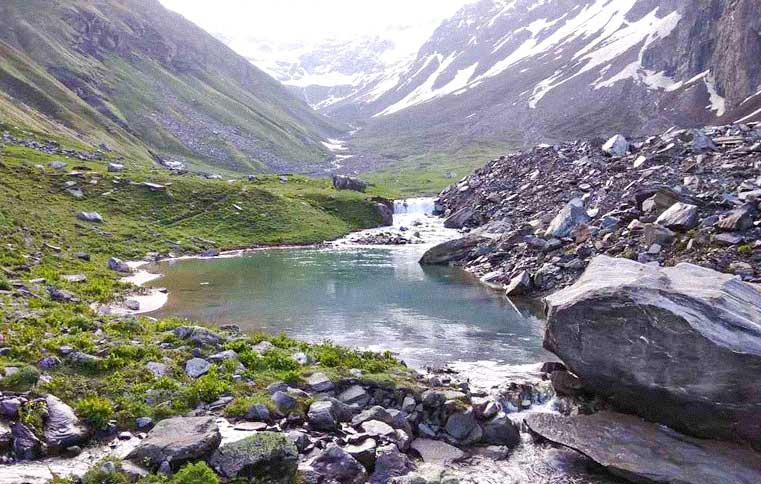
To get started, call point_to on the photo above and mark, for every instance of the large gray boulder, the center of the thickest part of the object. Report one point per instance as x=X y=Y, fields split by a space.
x=645 y=452
x=178 y=440
x=386 y=214
x=451 y=251
x=570 y=217
x=62 y=428
x=677 y=345
x=263 y=457
x=341 y=182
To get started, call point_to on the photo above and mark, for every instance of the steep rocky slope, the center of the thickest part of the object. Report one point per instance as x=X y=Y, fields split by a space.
x=139 y=78
x=521 y=72
x=537 y=217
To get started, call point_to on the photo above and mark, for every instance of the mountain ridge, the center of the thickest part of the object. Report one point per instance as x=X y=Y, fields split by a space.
x=147 y=80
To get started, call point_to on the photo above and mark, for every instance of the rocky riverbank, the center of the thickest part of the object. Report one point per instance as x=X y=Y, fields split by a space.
x=535 y=219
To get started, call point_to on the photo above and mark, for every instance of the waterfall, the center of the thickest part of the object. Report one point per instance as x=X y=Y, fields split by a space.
x=420 y=206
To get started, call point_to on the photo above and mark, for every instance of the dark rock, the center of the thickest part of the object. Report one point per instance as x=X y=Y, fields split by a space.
x=390 y=463
x=386 y=214
x=341 y=182
x=263 y=457
x=519 y=285
x=566 y=383
x=320 y=383
x=197 y=335
x=118 y=265
x=26 y=446
x=640 y=451
x=451 y=251
x=459 y=219
x=628 y=330
x=355 y=396
x=284 y=402
x=178 y=440
x=61 y=295
x=258 y=412
x=500 y=430
x=738 y=220
x=335 y=465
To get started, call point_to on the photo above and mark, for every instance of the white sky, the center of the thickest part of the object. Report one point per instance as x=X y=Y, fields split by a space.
x=311 y=21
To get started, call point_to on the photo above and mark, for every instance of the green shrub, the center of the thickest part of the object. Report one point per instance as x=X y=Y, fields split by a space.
x=96 y=475
x=207 y=388
x=198 y=473
x=95 y=411
x=4 y=284
x=21 y=381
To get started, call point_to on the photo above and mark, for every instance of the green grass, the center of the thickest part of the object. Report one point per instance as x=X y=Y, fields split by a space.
x=427 y=175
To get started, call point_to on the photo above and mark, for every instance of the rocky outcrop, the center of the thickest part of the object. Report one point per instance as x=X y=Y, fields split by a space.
x=676 y=345
x=178 y=440
x=640 y=451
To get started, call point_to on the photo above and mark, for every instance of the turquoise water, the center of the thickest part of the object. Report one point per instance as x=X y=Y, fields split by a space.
x=367 y=297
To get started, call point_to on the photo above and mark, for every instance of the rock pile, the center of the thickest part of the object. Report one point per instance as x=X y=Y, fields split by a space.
x=682 y=196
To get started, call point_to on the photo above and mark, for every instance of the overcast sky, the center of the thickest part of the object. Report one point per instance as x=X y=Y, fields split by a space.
x=312 y=20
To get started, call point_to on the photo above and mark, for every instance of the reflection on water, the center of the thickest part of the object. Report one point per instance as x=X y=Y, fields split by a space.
x=377 y=298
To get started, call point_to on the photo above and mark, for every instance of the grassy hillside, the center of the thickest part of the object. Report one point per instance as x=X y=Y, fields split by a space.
x=144 y=80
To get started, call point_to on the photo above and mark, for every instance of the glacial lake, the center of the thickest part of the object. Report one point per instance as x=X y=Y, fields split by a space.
x=368 y=297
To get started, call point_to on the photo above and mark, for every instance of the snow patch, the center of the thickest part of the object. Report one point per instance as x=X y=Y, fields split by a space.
x=718 y=103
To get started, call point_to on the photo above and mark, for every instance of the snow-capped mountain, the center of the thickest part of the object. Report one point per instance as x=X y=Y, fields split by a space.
x=527 y=71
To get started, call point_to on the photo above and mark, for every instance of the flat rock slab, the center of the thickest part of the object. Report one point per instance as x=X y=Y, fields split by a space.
x=178 y=440
x=437 y=452
x=641 y=451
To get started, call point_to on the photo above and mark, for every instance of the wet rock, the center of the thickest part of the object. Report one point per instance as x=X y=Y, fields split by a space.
x=6 y=437
x=451 y=251
x=336 y=465
x=437 y=452
x=628 y=329
x=501 y=430
x=461 y=425
x=263 y=457
x=115 y=167
x=62 y=427
x=570 y=217
x=178 y=440
x=680 y=217
x=566 y=383
x=385 y=213
x=645 y=452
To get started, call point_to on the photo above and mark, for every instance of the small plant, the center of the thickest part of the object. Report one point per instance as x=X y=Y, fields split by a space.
x=100 y=474
x=4 y=284
x=207 y=388
x=198 y=473
x=33 y=415
x=745 y=250
x=95 y=411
